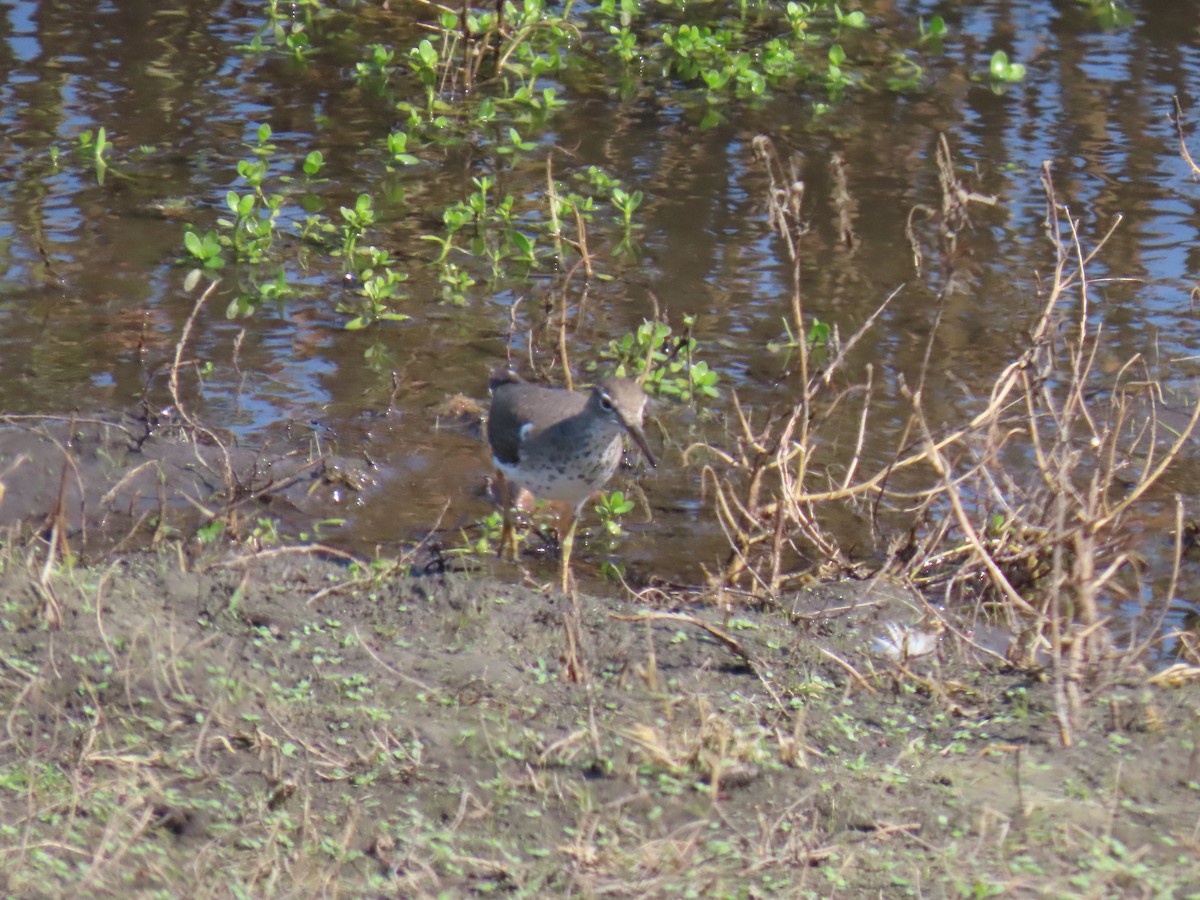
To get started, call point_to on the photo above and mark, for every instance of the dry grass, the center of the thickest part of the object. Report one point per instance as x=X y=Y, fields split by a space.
x=1020 y=517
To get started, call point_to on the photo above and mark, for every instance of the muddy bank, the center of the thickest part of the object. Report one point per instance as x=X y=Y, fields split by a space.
x=282 y=724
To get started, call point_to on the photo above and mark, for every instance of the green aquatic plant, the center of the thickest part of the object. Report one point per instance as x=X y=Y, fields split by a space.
x=426 y=63
x=907 y=74
x=855 y=19
x=501 y=232
x=626 y=203
x=934 y=30
x=374 y=304
x=313 y=163
x=397 y=146
x=838 y=77
x=286 y=30
x=251 y=230
x=611 y=506
x=1001 y=70
x=297 y=43
x=204 y=248
x=1109 y=13
x=356 y=220
x=817 y=341
x=376 y=71
x=97 y=147
x=455 y=281
x=667 y=366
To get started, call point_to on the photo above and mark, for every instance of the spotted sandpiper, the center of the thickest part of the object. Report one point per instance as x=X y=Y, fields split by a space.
x=559 y=445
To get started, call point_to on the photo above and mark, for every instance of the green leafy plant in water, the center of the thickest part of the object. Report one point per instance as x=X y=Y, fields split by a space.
x=569 y=204
x=356 y=220
x=1110 y=13
x=497 y=234
x=1000 y=70
x=205 y=249
x=487 y=531
x=611 y=506
x=250 y=233
x=262 y=146
x=817 y=341
x=856 y=19
x=667 y=366
x=377 y=69
x=379 y=357
x=502 y=81
x=490 y=528
x=837 y=76
x=707 y=54
x=378 y=294
x=612 y=571
x=97 y=147
x=272 y=291
x=265 y=533
x=397 y=145
x=532 y=101
x=455 y=282
x=627 y=204
x=253 y=293
x=819 y=334
x=906 y=74
x=210 y=532
x=525 y=247
x=724 y=52
x=515 y=145
x=313 y=163
x=297 y=43
x=514 y=66
x=624 y=44
x=425 y=63
x=316 y=229
x=935 y=30
x=247 y=232
x=477 y=202
x=287 y=25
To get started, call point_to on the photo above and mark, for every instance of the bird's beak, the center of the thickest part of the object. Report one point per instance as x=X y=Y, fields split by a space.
x=635 y=432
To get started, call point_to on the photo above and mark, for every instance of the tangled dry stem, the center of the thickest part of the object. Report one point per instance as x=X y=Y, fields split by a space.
x=1021 y=515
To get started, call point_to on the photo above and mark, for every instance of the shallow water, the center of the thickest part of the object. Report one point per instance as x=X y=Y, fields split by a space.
x=92 y=296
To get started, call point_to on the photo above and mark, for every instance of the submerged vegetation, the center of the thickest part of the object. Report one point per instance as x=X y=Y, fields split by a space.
x=489 y=80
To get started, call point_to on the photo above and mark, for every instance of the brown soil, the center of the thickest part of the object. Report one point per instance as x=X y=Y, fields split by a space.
x=211 y=721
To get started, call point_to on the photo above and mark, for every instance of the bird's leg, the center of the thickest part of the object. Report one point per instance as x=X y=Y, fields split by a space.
x=508 y=535
x=566 y=542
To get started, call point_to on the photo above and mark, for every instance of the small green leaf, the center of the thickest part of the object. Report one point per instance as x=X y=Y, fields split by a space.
x=523 y=243
x=999 y=64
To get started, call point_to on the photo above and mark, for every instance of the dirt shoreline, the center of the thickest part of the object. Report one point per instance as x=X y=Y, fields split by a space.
x=286 y=725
